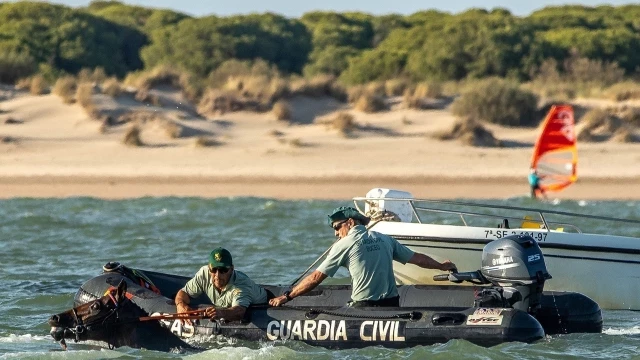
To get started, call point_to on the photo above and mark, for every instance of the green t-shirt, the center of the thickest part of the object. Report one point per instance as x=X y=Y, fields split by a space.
x=239 y=291
x=369 y=257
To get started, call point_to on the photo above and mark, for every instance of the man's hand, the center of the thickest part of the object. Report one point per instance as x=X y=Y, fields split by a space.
x=448 y=266
x=278 y=301
x=211 y=313
x=182 y=308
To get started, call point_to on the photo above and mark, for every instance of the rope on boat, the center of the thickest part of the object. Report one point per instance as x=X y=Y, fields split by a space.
x=193 y=314
x=312 y=313
x=378 y=215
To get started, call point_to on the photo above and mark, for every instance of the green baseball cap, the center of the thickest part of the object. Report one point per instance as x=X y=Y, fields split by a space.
x=346 y=212
x=220 y=258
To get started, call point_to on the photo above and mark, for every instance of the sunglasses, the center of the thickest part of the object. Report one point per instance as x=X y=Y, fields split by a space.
x=221 y=270
x=337 y=226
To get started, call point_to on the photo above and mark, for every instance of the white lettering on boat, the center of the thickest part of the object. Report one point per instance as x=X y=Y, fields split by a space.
x=307 y=330
x=334 y=330
x=381 y=331
x=176 y=327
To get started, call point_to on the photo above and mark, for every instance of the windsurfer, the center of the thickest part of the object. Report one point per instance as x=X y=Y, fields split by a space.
x=534 y=182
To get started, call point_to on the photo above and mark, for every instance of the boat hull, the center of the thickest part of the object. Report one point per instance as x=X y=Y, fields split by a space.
x=577 y=262
x=427 y=315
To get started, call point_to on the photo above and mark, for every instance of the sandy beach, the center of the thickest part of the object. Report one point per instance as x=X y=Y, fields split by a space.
x=54 y=150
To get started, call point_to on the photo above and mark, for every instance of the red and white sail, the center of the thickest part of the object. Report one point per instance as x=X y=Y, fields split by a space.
x=555 y=156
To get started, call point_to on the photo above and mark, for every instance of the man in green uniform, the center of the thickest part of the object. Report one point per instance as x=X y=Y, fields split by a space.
x=230 y=291
x=369 y=257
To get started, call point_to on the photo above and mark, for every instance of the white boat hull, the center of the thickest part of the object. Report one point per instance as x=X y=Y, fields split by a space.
x=603 y=267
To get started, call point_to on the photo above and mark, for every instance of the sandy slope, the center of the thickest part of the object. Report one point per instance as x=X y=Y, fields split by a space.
x=58 y=151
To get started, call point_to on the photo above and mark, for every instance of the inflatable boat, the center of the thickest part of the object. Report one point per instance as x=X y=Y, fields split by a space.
x=507 y=303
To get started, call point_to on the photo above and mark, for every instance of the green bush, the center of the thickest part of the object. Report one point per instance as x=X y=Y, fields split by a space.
x=498 y=101
x=14 y=66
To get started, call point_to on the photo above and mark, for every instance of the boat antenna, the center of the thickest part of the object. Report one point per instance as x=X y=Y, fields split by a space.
x=323 y=255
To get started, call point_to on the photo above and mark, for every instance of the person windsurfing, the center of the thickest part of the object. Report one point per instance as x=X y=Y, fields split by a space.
x=534 y=182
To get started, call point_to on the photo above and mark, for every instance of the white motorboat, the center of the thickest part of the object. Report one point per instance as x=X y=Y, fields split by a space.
x=604 y=267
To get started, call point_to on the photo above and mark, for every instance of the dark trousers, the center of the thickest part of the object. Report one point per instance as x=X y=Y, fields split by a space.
x=388 y=302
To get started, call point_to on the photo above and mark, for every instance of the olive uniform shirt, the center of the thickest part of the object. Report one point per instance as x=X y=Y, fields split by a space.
x=369 y=257
x=239 y=291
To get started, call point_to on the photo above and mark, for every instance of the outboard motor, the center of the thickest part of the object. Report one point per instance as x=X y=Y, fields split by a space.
x=515 y=266
x=515 y=263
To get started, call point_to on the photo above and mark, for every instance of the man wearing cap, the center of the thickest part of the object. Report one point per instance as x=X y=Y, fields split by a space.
x=230 y=291
x=369 y=257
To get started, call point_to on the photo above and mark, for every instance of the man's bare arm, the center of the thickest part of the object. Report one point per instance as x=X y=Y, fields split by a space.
x=427 y=262
x=307 y=284
x=182 y=301
x=229 y=314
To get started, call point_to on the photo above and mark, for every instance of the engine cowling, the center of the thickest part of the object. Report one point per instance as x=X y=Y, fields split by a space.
x=516 y=264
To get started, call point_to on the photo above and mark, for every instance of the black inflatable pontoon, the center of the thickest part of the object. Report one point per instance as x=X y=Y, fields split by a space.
x=507 y=305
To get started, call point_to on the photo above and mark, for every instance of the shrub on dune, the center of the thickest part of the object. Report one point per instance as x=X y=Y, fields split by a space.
x=428 y=90
x=631 y=117
x=132 y=137
x=144 y=96
x=318 y=86
x=172 y=129
x=498 y=101
x=98 y=75
x=600 y=120
x=204 y=141
x=586 y=135
x=84 y=95
x=370 y=103
x=628 y=90
x=344 y=123
x=296 y=143
x=218 y=102
x=469 y=132
x=282 y=111
x=623 y=135
x=38 y=85
x=65 y=87
x=395 y=87
x=111 y=87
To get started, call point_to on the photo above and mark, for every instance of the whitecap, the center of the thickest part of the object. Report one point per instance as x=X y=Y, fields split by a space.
x=162 y=212
x=244 y=353
x=26 y=338
x=624 y=331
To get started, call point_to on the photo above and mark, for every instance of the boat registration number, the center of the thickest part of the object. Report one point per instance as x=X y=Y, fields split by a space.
x=499 y=234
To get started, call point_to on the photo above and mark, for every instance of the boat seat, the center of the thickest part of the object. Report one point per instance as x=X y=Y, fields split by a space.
x=529 y=223
x=504 y=224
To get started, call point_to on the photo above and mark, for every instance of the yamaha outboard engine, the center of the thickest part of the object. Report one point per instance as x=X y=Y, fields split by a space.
x=515 y=265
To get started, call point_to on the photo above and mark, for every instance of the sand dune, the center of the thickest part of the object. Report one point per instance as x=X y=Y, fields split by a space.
x=57 y=150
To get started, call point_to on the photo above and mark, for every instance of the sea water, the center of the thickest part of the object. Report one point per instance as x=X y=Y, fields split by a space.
x=49 y=247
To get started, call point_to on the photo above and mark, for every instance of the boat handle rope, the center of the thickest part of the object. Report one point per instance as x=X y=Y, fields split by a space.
x=311 y=313
x=193 y=314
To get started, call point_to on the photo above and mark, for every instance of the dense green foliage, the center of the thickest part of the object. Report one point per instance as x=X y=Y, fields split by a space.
x=498 y=101
x=357 y=47
x=64 y=39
